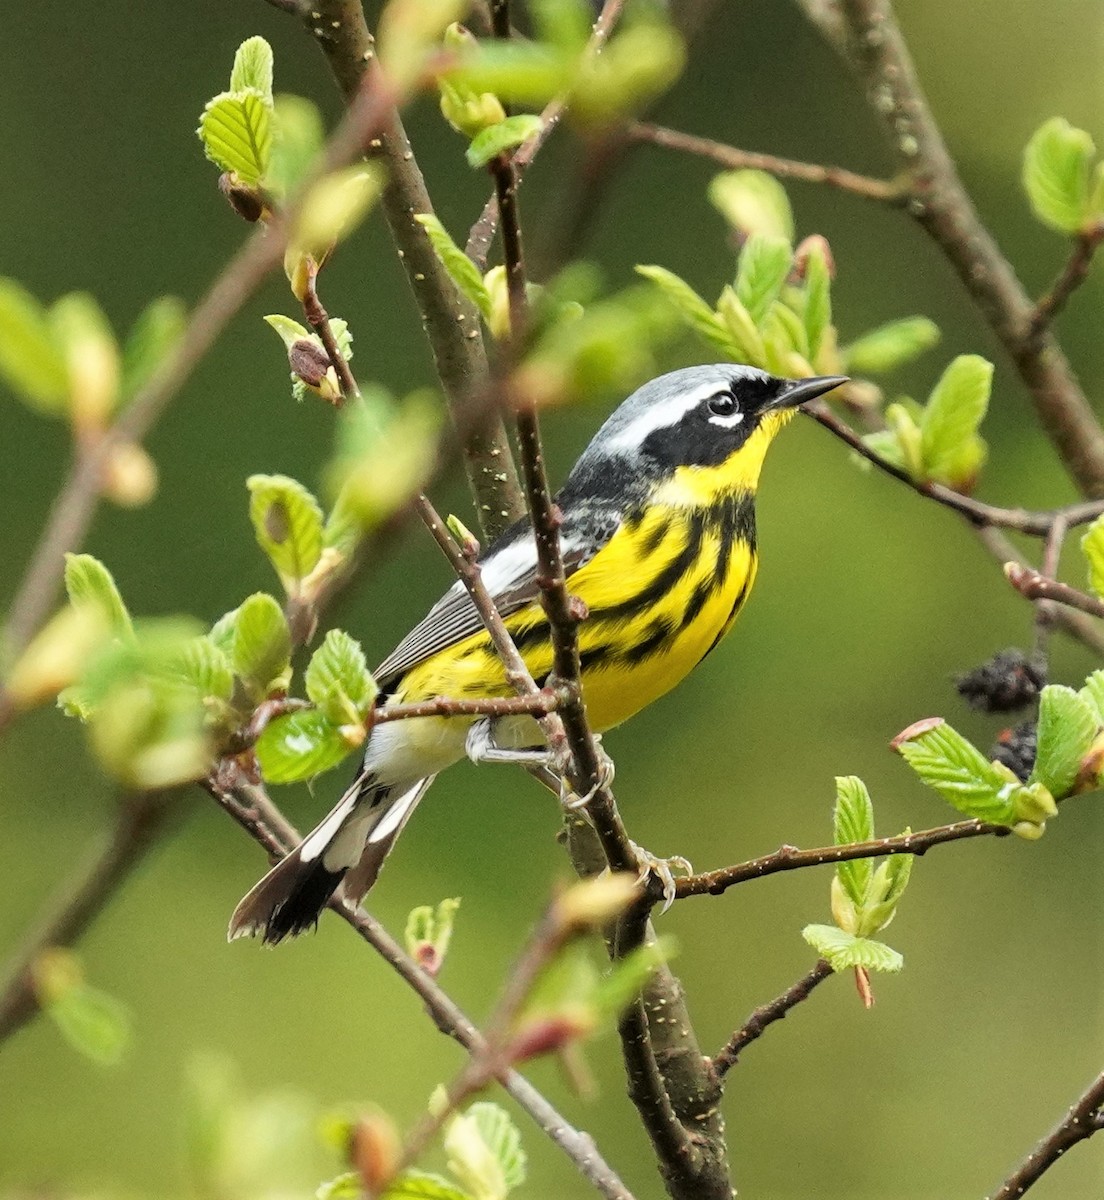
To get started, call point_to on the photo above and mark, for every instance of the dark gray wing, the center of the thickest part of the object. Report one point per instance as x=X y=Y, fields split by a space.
x=509 y=573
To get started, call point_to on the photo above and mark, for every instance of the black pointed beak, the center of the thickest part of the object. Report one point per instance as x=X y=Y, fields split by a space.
x=796 y=391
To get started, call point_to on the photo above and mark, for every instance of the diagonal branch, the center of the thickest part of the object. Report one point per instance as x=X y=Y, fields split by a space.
x=866 y=34
x=1071 y=277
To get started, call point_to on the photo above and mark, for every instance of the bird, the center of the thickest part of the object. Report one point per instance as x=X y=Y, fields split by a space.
x=659 y=544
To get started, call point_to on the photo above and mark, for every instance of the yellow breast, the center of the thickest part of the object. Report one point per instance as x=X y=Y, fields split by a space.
x=660 y=595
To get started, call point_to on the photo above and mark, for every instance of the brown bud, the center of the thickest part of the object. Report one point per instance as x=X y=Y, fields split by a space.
x=815 y=242
x=374 y=1150
x=246 y=202
x=309 y=361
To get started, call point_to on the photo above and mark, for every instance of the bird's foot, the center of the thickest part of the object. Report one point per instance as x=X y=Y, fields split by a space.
x=663 y=870
x=606 y=771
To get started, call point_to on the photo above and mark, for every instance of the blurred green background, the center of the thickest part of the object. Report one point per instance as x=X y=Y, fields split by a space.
x=868 y=602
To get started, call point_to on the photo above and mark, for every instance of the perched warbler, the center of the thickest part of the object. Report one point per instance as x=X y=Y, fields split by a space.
x=658 y=540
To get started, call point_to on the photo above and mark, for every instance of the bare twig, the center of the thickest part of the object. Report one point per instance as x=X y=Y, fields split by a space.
x=725 y=1058
x=866 y=33
x=1072 y=276
x=1036 y=586
x=140 y=822
x=1036 y=523
x=252 y=808
x=451 y=322
x=888 y=191
x=1083 y=1120
x=319 y=320
x=790 y=858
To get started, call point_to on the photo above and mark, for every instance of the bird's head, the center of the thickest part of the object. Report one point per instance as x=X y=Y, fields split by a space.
x=700 y=430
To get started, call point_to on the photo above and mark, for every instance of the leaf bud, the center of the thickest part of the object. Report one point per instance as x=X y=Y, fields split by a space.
x=130 y=476
x=247 y=202
x=593 y=903
x=374 y=1150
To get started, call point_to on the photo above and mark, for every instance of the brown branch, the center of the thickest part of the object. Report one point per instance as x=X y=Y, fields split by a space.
x=887 y=191
x=754 y=1027
x=140 y=823
x=250 y=806
x=1036 y=586
x=866 y=34
x=537 y=704
x=790 y=858
x=76 y=502
x=1071 y=277
x=319 y=320
x=1083 y=1120
x=482 y=232
x=451 y=322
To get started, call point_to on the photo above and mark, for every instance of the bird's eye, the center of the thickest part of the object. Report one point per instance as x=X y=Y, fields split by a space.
x=723 y=404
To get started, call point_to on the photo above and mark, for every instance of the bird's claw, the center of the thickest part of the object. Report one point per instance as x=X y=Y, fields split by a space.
x=606 y=772
x=664 y=870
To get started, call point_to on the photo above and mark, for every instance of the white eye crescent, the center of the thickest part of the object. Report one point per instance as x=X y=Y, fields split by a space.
x=725 y=409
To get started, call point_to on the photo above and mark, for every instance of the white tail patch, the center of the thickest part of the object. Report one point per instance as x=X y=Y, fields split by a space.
x=397 y=813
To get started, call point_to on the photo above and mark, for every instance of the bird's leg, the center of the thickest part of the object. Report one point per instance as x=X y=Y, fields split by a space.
x=481 y=747
x=664 y=870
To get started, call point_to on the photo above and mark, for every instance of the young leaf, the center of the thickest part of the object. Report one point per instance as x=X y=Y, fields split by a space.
x=502 y=1137
x=261 y=648
x=31 y=362
x=742 y=329
x=56 y=657
x=253 y=68
x=463 y=272
x=153 y=336
x=332 y=209
x=1092 y=546
x=1056 y=174
x=853 y=822
x=845 y=950
x=890 y=346
x=564 y=24
x=817 y=295
x=954 y=411
x=693 y=309
x=472 y=1161
x=429 y=932
x=1093 y=694
x=947 y=762
x=300 y=746
x=497 y=139
x=287 y=521
x=421 y=1185
x=765 y=262
x=203 y=666
x=337 y=679
x=346 y=1186
x=753 y=202
x=297 y=137
x=1067 y=728
x=92 y=1022
x=642 y=61
x=516 y=71
x=91 y=354
x=89 y=582
x=236 y=132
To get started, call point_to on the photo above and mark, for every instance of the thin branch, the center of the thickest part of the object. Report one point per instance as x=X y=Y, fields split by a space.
x=790 y=858
x=867 y=35
x=754 y=1027
x=1036 y=586
x=886 y=191
x=539 y=704
x=451 y=322
x=140 y=822
x=319 y=320
x=483 y=231
x=252 y=808
x=1083 y=1120
x=79 y=496
x=1036 y=523
x=1072 y=276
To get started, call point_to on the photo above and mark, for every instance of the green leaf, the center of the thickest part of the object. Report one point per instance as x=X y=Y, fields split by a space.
x=421 y=1185
x=252 y=69
x=502 y=1138
x=338 y=680
x=741 y=329
x=693 y=309
x=332 y=209
x=346 y=1186
x=765 y=262
x=952 y=415
x=626 y=976
x=497 y=139
x=1068 y=725
x=890 y=346
x=31 y=361
x=1093 y=694
x=564 y=24
x=853 y=822
x=958 y=771
x=92 y=1022
x=89 y=582
x=1092 y=546
x=91 y=355
x=205 y=667
x=642 y=61
x=753 y=202
x=1056 y=167
x=784 y=333
x=261 y=650
x=463 y=272
x=817 y=294
x=297 y=137
x=300 y=746
x=844 y=950
x=152 y=338
x=517 y=72
x=236 y=132
x=287 y=521
x=473 y=1161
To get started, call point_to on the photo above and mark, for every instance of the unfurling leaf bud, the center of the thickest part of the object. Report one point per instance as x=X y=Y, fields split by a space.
x=130 y=477
x=815 y=244
x=593 y=903
x=374 y=1150
x=247 y=202
x=465 y=539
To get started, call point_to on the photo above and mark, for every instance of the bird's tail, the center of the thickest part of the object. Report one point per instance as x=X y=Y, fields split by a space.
x=347 y=847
